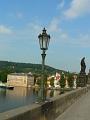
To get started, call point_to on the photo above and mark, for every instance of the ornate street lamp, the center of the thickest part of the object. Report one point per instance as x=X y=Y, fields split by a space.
x=44 y=40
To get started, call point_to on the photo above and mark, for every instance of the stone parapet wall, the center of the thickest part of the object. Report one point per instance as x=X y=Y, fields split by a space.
x=45 y=111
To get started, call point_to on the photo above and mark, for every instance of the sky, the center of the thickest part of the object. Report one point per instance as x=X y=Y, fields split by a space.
x=67 y=22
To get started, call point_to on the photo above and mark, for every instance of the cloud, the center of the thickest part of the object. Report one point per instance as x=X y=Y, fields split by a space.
x=56 y=32
x=27 y=33
x=5 y=30
x=54 y=25
x=11 y=39
x=34 y=26
x=17 y=15
x=61 y=5
x=83 y=40
x=58 y=35
x=33 y=29
x=77 y=8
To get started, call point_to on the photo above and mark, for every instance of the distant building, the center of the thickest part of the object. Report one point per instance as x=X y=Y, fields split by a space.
x=20 y=79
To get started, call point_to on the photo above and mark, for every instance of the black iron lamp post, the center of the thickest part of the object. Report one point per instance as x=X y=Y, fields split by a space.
x=44 y=40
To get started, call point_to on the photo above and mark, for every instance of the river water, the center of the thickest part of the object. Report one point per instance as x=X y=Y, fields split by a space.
x=20 y=96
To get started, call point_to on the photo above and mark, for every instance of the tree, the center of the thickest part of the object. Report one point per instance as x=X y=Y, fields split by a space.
x=70 y=80
x=45 y=79
x=52 y=81
x=62 y=81
x=3 y=76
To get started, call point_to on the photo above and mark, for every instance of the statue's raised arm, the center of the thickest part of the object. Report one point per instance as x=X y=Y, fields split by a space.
x=83 y=65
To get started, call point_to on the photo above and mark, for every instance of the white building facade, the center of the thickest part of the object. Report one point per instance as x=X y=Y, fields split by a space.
x=20 y=79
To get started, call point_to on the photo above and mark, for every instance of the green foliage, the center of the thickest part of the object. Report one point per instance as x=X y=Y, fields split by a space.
x=70 y=80
x=62 y=81
x=10 y=67
x=27 y=67
x=39 y=82
x=3 y=74
x=52 y=81
x=3 y=77
x=45 y=79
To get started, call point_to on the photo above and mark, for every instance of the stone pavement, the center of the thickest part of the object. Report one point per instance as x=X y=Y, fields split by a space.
x=80 y=110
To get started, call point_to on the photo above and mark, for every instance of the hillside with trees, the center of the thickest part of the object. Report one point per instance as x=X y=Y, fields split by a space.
x=7 y=67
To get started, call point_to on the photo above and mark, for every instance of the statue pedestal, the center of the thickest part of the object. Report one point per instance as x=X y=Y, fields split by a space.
x=88 y=77
x=88 y=81
x=82 y=80
x=74 y=84
x=66 y=86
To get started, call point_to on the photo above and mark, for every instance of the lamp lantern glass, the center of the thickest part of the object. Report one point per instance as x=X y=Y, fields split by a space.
x=44 y=40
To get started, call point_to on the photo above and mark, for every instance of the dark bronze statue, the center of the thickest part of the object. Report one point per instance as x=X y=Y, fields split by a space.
x=83 y=65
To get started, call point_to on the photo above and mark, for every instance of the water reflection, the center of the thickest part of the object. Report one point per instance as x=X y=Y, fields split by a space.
x=48 y=93
x=52 y=93
x=2 y=93
x=20 y=96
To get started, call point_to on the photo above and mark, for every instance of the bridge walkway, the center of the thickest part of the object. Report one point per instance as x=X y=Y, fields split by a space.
x=80 y=110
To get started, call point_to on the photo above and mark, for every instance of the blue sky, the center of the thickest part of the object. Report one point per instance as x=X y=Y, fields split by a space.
x=67 y=22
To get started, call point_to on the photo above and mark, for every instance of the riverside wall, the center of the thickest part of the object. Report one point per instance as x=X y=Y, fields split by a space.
x=45 y=111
